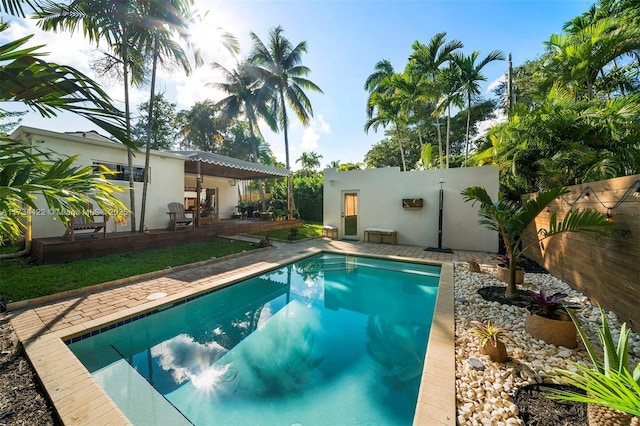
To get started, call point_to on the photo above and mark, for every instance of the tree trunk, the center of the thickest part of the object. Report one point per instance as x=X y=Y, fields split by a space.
x=448 y=133
x=127 y=112
x=285 y=126
x=512 y=289
x=404 y=165
x=439 y=141
x=466 y=145
x=254 y=153
x=147 y=154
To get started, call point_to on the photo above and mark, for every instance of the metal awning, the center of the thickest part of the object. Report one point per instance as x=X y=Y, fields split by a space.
x=227 y=167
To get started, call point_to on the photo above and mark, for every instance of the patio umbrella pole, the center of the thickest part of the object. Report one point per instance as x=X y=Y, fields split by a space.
x=440 y=249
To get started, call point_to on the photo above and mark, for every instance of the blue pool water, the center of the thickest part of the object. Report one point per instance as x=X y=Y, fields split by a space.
x=330 y=339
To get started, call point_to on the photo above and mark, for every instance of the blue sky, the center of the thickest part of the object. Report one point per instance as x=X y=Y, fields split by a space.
x=345 y=39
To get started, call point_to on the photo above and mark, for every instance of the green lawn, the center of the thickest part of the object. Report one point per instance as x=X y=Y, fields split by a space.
x=307 y=230
x=19 y=280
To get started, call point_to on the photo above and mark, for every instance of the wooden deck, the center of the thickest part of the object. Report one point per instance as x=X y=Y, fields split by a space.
x=58 y=250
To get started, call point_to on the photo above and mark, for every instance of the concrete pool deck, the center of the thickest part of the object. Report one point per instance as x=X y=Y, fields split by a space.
x=77 y=397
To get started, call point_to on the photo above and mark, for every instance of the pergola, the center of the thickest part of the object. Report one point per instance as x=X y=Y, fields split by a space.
x=200 y=163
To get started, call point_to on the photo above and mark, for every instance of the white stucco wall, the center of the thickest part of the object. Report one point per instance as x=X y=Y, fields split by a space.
x=227 y=190
x=166 y=176
x=380 y=193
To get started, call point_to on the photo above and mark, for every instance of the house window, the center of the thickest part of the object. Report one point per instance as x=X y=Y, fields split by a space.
x=122 y=171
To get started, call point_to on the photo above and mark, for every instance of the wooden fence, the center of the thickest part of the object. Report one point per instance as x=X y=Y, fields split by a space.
x=606 y=269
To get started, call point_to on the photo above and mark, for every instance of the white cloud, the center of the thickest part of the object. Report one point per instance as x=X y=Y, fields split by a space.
x=312 y=133
x=495 y=83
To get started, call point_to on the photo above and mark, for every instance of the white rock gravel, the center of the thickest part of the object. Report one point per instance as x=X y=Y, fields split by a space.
x=486 y=397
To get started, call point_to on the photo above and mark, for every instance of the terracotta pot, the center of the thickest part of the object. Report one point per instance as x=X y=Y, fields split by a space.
x=474 y=267
x=502 y=273
x=599 y=415
x=496 y=353
x=560 y=332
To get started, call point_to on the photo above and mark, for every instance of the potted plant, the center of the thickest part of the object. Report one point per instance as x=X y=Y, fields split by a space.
x=548 y=319
x=502 y=269
x=293 y=234
x=492 y=340
x=474 y=265
x=612 y=391
x=512 y=221
x=279 y=214
x=264 y=242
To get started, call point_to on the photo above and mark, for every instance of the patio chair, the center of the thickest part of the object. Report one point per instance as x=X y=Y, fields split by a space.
x=93 y=221
x=179 y=218
x=265 y=215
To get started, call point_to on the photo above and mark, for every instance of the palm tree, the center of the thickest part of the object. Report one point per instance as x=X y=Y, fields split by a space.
x=119 y=23
x=450 y=85
x=586 y=53
x=426 y=61
x=470 y=76
x=280 y=64
x=309 y=161
x=374 y=83
x=200 y=127
x=387 y=111
x=408 y=90
x=24 y=171
x=165 y=18
x=512 y=221
x=248 y=97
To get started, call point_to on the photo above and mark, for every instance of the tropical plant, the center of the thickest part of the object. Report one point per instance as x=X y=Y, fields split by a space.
x=26 y=173
x=375 y=82
x=470 y=77
x=163 y=126
x=280 y=65
x=387 y=110
x=309 y=161
x=118 y=23
x=608 y=382
x=489 y=332
x=474 y=265
x=427 y=60
x=164 y=19
x=200 y=127
x=49 y=88
x=546 y=305
x=249 y=97
x=512 y=221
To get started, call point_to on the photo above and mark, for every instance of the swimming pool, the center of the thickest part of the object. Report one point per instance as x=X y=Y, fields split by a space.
x=330 y=339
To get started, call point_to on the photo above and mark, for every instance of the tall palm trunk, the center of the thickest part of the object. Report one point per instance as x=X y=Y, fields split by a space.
x=404 y=165
x=127 y=111
x=466 y=145
x=285 y=126
x=254 y=153
x=147 y=154
x=448 y=133
x=439 y=141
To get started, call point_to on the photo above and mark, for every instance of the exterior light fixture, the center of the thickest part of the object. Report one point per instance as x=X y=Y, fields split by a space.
x=636 y=193
x=587 y=196
x=609 y=215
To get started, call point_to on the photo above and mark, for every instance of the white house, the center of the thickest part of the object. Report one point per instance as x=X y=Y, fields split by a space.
x=407 y=204
x=173 y=177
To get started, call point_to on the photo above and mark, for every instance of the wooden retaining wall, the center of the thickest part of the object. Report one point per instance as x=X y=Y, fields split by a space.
x=57 y=250
x=606 y=269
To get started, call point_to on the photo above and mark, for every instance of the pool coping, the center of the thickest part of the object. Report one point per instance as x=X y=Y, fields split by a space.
x=79 y=399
